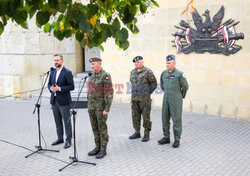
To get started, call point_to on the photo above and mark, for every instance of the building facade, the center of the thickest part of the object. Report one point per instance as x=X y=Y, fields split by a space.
x=219 y=85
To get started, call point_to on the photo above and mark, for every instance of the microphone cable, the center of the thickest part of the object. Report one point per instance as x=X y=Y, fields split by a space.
x=41 y=153
x=27 y=91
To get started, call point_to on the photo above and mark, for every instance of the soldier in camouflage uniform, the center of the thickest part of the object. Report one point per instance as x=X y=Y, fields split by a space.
x=100 y=96
x=175 y=86
x=143 y=84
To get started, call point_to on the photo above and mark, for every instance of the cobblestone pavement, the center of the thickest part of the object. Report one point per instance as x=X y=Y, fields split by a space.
x=210 y=145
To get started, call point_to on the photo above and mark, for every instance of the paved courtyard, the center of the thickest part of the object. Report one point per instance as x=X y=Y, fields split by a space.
x=210 y=145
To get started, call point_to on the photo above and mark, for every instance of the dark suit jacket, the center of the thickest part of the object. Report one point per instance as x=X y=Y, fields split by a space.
x=65 y=82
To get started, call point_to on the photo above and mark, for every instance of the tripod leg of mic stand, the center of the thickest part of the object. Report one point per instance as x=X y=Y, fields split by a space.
x=75 y=160
x=39 y=148
x=86 y=162
x=66 y=166
x=32 y=153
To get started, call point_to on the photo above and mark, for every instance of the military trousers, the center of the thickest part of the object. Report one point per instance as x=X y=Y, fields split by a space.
x=141 y=108
x=99 y=128
x=172 y=108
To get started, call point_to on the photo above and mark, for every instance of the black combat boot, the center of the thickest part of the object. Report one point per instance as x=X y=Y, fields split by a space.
x=145 y=138
x=135 y=136
x=164 y=140
x=94 y=152
x=176 y=144
x=101 y=154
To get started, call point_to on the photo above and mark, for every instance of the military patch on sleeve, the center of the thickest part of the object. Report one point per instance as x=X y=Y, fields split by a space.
x=183 y=76
x=150 y=72
x=107 y=77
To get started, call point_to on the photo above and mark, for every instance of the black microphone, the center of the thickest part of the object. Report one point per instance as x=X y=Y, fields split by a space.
x=89 y=74
x=50 y=70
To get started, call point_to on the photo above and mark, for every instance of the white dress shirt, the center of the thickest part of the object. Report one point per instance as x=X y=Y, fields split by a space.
x=58 y=71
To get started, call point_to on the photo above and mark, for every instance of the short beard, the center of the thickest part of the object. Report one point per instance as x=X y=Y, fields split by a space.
x=57 y=66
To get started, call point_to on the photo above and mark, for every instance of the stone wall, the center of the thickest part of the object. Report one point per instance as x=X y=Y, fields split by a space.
x=25 y=55
x=219 y=84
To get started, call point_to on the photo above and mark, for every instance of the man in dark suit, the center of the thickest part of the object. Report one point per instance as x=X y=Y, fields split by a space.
x=60 y=84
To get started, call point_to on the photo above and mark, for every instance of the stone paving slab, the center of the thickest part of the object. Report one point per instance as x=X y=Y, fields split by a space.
x=210 y=145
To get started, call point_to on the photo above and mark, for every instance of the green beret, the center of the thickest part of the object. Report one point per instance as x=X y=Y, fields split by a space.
x=95 y=59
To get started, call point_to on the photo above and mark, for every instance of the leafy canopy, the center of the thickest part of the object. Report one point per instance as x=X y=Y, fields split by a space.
x=91 y=24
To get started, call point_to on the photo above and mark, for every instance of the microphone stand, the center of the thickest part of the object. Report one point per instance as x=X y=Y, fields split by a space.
x=74 y=158
x=37 y=106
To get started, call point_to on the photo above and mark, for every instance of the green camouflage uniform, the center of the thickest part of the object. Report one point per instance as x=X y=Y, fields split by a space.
x=100 y=96
x=143 y=84
x=175 y=87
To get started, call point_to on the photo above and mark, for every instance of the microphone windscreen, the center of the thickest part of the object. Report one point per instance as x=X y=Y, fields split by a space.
x=89 y=74
x=52 y=68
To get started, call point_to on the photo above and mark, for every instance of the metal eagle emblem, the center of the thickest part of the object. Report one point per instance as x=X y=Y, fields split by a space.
x=209 y=36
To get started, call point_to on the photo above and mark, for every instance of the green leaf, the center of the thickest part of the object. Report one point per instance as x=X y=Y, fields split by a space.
x=60 y=18
x=101 y=47
x=93 y=9
x=5 y=19
x=84 y=10
x=109 y=19
x=27 y=7
x=62 y=7
x=67 y=33
x=35 y=4
x=38 y=25
x=14 y=5
x=84 y=25
x=32 y=12
x=83 y=43
x=106 y=33
x=42 y=17
x=115 y=26
x=47 y=27
x=117 y=42
x=124 y=45
x=74 y=16
x=24 y=25
x=1 y=27
x=133 y=28
x=67 y=1
x=122 y=35
x=155 y=3
x=21 y=17
x=98 y=38
x=53 y=3
x=59 y=34
x=129 y=14
x=79 y=35
x=143 y=8
x=46 y=8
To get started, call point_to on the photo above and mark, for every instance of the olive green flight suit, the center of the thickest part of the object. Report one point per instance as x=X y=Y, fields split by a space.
x=175 y=87
x=143 y=84
x=100 y=96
